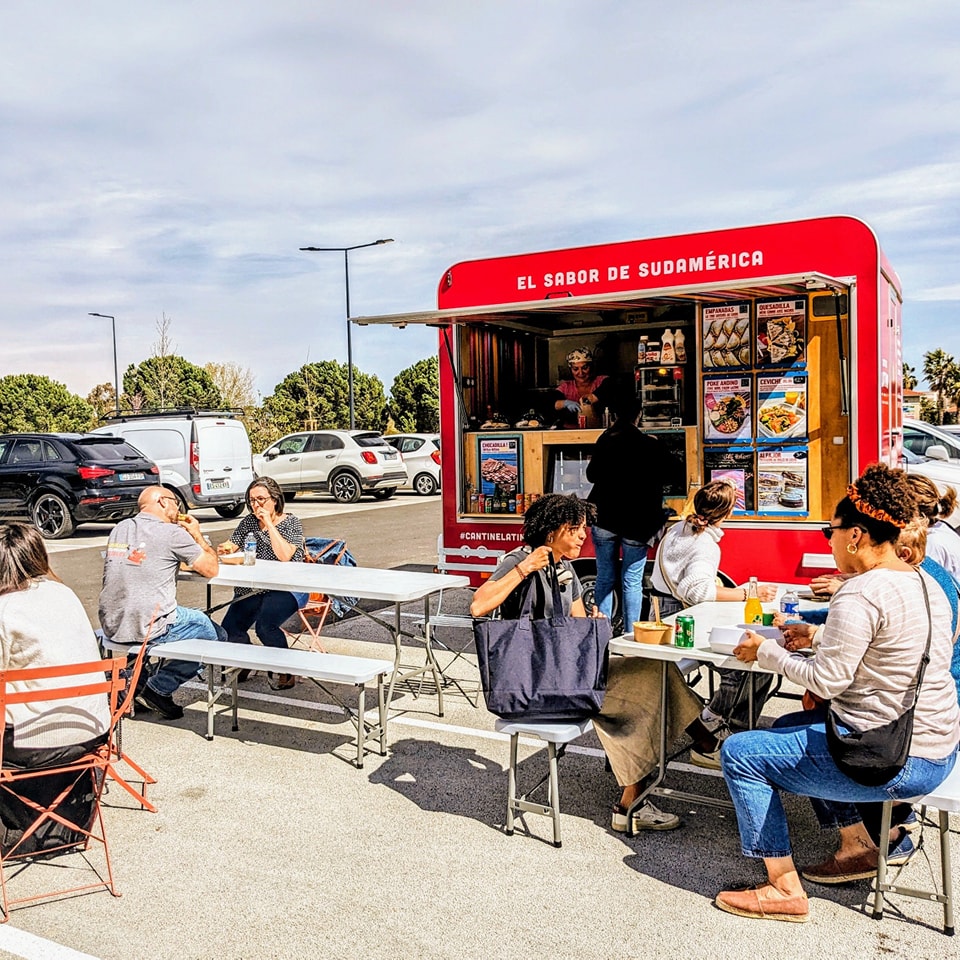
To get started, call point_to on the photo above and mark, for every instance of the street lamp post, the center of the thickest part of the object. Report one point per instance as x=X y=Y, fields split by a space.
x=116 y=376
x=346 y=274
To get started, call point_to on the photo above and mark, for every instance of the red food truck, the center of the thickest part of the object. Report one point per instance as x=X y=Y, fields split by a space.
x=769 y=355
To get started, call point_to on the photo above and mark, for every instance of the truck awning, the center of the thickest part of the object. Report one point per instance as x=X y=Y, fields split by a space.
x=556 y=313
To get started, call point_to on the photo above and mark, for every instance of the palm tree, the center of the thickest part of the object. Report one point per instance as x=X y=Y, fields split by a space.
x=909 y=377
x=940 y=371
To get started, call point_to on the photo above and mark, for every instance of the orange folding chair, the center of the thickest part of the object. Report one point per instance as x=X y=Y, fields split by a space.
x=313 y=614
x=125 y=708
x=50 y=827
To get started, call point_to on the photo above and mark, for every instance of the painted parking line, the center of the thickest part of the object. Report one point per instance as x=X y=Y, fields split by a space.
x=31 y=947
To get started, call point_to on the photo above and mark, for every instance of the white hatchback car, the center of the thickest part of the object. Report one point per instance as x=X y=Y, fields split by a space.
x=345 y=463
x=421 y=454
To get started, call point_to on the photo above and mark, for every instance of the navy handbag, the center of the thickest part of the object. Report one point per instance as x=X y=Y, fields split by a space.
x=550 y=669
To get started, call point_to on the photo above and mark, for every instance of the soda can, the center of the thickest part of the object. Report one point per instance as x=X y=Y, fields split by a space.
x=512 y=505
x=521 y=506
x=683 y=632
x=581 y=421
x=481 y=502
x=474 y=503
x=488 y=505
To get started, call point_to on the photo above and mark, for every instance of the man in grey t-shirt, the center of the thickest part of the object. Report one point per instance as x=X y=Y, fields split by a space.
x=144 y=554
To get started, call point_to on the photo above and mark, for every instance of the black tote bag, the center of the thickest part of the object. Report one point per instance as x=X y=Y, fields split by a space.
x=550 y=669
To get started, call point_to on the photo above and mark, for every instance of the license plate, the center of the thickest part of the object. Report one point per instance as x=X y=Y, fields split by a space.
x=131 y=476
x=218 y=485
x=390 y=456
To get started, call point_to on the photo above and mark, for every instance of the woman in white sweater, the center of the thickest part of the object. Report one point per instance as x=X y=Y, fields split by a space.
x=685 y=573
x=42 y=624
x=866 y=665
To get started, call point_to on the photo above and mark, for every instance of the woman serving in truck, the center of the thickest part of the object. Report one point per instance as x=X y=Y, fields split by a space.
x=585 y=395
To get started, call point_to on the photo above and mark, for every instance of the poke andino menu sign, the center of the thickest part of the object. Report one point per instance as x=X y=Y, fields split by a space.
x=781 y=326
x=781 y=408
x=726 y=410
x=499 y=459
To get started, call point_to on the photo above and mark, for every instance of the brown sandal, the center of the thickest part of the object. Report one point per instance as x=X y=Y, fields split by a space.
x=284 y=681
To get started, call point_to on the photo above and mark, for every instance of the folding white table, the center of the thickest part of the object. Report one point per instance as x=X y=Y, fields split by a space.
x=705 y=616
x=365 y=583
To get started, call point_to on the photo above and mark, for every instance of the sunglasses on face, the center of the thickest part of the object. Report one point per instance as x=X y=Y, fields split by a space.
x=829 y=531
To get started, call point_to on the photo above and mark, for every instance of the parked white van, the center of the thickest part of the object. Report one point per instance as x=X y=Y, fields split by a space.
x=204 y=457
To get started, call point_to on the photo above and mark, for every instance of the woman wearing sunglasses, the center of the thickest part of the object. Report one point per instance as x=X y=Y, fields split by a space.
x=866 y=664
x=279 y=536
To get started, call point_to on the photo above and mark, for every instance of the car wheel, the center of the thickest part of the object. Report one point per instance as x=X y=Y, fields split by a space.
x=289 y=494
x=345 y=488
x=231 y=510
x=424 y=484
x=588 y=582
x=51 y=516
x=385 y=494
x=181 y=503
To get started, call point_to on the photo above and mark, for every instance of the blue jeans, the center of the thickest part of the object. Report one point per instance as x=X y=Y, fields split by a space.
x=759 y=763
x=608 y=547
x=188 y=624
x=265 y=612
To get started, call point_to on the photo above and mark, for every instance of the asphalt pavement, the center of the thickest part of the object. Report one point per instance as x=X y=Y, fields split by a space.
x=268 y=842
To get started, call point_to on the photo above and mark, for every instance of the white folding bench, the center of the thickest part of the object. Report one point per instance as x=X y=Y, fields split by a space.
x=946 y=799
x=318 y=667
x=554 y=733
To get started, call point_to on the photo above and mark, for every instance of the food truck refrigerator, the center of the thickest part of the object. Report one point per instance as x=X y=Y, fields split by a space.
x=769 y=355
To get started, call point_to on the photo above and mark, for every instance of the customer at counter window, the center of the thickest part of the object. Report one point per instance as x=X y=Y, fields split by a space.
x=685 y=573
x=585 y=395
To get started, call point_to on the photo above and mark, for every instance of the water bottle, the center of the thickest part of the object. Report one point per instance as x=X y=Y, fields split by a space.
x=250 y=550
x=790 y=603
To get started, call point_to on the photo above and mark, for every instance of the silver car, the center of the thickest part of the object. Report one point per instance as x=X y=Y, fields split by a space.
x=344 y=463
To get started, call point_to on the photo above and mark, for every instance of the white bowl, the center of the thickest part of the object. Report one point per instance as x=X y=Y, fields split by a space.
x=724 y=639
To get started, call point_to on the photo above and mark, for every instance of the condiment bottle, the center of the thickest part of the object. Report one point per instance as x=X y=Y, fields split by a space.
x=752 y=609
x=642 y=350
x=679 y=350
x=666 y=347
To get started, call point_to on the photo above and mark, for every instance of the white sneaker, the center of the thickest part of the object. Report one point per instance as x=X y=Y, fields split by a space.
x=710 y=760
x=646 y=817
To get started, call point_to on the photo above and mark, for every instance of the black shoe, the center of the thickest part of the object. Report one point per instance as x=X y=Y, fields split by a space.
x=165 y=706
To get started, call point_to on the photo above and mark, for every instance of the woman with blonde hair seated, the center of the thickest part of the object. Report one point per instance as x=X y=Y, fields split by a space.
x=943 y=542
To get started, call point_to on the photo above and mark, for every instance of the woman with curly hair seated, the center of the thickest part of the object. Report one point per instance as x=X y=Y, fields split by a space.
x=628 y=725
x=866 y=665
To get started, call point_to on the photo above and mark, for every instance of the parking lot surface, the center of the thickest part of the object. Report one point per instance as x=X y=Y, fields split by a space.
x=268 y=842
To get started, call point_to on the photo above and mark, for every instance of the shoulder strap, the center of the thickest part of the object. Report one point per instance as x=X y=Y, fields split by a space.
x=925 y=659
x=663 y=573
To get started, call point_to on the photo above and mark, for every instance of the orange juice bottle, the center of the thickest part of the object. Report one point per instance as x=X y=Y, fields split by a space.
x=752 y=609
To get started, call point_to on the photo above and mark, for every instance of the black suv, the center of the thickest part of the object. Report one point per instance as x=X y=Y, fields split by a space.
x=61 y=479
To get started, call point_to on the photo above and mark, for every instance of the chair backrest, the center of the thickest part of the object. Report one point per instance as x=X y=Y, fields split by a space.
x=105 y=679
x=332 y=553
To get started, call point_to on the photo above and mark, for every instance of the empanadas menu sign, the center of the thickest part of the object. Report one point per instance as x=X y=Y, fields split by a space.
x=781 y=332
x=782 y=481
x=726 y=336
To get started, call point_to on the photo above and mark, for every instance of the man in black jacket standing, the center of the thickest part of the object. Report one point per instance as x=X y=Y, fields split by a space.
x=629 y=471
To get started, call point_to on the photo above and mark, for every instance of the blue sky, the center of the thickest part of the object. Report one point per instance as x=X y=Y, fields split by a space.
x=169 y=159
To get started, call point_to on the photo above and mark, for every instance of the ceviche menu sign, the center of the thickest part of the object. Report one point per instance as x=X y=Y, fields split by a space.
x=781 y=408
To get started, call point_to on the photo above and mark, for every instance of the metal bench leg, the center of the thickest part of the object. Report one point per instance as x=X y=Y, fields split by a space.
x=881 y=880
x=382 y=712
x=946 y=868
x=512 y=782
x=554 y=792
x=361 y=725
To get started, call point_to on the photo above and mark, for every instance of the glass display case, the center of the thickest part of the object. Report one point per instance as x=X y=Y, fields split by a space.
x=567 y=470
x=661 y=394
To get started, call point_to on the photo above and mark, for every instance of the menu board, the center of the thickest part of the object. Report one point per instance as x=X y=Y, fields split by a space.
x=676 y=443
x=726 y=336
x=726 y=410
x=781 y=326
x=737 y=467
x=499 y=459
x=781 y=408
x=782 y=481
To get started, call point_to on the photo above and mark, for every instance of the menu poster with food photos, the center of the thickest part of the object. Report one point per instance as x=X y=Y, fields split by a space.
x=782 y=481
x=726 y=410
x=499 y=459
x=726 y=336
x=736 y=466
x=781 y=408
x=781 y=326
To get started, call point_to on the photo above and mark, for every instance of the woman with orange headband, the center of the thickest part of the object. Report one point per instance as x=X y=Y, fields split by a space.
x=866 y=665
